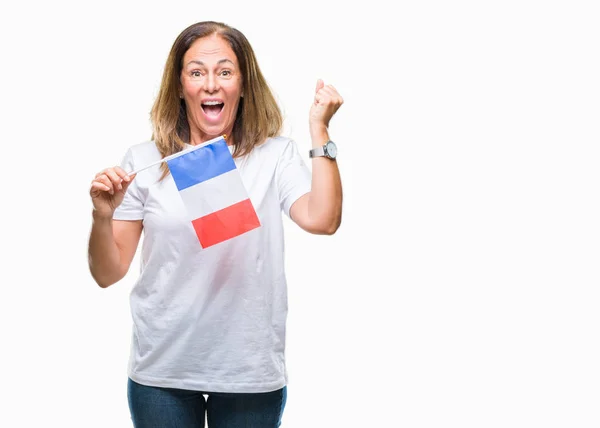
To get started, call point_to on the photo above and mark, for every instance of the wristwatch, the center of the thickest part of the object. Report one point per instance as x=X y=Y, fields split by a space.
x=329 y=150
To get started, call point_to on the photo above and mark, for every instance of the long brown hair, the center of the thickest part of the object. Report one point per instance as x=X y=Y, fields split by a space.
x=258 y=116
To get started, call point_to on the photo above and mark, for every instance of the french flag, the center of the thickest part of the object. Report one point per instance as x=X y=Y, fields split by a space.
x=213 y=193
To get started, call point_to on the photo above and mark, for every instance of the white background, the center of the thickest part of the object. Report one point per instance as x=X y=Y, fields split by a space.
x=462 y=289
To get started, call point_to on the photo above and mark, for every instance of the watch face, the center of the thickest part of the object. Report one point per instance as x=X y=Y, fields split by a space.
x=331 y=149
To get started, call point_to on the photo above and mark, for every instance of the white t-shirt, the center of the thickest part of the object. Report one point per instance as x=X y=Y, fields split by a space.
x=212 y=319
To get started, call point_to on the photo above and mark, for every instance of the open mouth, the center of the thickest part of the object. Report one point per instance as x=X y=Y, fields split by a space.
x=212 y=108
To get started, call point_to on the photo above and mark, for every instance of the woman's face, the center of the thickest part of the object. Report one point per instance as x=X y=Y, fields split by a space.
x=211 y=85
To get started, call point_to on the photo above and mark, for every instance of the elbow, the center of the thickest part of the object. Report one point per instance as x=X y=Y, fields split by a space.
x=104 y=280
x=334 y=221
x=104 y=284
x=329 y=228
x=333 y=228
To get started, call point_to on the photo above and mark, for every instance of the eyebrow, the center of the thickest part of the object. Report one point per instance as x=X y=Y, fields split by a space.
x=221 y=61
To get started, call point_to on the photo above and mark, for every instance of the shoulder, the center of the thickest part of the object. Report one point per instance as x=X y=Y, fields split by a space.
x=140 y=154
x=144 y=151
x=276 y=146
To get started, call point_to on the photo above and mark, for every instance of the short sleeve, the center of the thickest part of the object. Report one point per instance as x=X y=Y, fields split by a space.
x=293 y=177
x=132 y=207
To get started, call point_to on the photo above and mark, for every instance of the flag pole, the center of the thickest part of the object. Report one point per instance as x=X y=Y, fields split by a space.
x=181 y=153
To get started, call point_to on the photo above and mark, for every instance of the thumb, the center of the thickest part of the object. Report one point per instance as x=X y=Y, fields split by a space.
x=320 y=85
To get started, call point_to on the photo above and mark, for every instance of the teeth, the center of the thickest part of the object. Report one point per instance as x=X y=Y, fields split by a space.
x=212 y=103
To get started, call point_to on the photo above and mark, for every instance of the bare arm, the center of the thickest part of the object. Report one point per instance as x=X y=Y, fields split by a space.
x=112 y=243
x=112 y=246
x=320 y=210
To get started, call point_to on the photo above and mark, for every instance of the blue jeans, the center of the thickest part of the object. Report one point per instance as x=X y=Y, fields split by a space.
x=155 y=407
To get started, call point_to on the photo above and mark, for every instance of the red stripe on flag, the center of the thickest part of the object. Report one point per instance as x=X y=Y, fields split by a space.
x=226 y=223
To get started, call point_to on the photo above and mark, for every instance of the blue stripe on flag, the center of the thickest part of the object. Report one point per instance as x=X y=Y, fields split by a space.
x=201 y=164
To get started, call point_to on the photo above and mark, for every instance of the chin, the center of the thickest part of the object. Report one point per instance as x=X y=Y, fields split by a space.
x=211 y=130
x=214 y=134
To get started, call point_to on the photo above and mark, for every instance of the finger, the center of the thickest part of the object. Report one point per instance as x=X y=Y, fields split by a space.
x=325 y=94
x=100 y=187
x=330 y=91
x=334 y=92
x=106 y=181
x=333 y=96
x=320 y=84
x=121 y=173
x=127 y=181
x=114 y=177
x=118 y=170
x=326 y=100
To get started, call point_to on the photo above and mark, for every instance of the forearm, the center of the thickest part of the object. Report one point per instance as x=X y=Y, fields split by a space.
x=325 y=200
x=104 y=256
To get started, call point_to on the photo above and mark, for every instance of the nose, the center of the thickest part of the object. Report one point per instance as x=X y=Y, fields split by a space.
x=211 y=83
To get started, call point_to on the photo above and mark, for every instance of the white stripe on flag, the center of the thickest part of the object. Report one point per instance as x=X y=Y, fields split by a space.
x=214 y=194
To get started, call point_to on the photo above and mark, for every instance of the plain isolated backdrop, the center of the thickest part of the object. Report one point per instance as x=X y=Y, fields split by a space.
x=462 y=289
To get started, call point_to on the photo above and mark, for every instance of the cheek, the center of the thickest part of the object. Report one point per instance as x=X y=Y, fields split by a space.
x=189 y=86
x=233 y=90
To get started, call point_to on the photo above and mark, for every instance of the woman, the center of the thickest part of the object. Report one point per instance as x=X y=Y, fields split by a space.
x=211 y=321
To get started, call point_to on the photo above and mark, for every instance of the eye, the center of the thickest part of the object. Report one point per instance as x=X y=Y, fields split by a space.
x=195 y=73
x=226 y=73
